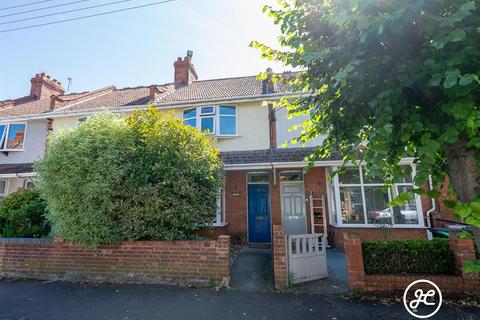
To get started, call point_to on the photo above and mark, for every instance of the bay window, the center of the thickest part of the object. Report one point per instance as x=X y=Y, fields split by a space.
x=12 y=136
x=364 y=201
x=218 y=120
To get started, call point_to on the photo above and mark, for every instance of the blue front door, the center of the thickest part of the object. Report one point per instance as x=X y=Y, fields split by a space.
x=259 y=229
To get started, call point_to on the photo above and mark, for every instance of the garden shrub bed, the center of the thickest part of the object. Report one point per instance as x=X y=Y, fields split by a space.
x=417 y=256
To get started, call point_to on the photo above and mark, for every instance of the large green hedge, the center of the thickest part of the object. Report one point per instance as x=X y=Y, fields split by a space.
x=407 y=256
x=22 y=215
x=146 y=177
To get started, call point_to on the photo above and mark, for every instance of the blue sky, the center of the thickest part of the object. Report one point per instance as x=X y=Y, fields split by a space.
x=136 y=47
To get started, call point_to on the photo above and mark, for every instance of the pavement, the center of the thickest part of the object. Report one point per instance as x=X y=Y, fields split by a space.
x=32 y=300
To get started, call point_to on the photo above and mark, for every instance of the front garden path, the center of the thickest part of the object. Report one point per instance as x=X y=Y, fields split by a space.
x=252 y=270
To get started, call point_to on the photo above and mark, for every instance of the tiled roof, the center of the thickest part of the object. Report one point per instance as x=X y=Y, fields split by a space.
x=115 y=98
x=16 y=168
x=218 y=89
x=111 y=97
x=29 y=105
x=269 y=155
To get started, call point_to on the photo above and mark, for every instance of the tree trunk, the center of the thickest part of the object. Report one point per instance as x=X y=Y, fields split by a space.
x=463 y=171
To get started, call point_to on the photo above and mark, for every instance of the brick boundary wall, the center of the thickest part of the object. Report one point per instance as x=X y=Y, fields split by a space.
x=459 y=283
x=280 y=275
x=193 y=262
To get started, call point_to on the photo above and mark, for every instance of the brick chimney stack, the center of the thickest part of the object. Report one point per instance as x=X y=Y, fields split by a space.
x=44 y=87
x=267 y=84
x=184 y=71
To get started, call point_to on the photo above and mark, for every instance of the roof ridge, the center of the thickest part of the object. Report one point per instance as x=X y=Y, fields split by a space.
x=217 y=79
x=89 y=97
x=88 y=93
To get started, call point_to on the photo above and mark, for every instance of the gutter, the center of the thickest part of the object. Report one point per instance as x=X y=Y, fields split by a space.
x=292 y=164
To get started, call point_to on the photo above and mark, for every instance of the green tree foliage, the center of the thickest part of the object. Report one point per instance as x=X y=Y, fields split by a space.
x=146 y=177
x=386 y=80
x=22 y=215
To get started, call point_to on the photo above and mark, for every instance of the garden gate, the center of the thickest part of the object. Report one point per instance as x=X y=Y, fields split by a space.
x=307 y=258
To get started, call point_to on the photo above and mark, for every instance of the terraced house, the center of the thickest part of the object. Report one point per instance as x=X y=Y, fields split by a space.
x=264 y=183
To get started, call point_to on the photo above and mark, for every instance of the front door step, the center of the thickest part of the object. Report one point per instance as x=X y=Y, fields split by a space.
x=259 y=245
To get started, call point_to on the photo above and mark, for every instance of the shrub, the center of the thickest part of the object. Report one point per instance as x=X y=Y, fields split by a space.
x=22 y=215
x=407 y=256
x=147 y=177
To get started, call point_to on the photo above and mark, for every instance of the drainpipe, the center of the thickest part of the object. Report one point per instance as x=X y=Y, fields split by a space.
x=429 y=212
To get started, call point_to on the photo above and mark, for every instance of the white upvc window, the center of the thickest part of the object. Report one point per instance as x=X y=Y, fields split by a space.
x=12 y=136
x=360 y=200
x=216 y=120
x=3 y=188
x=220 y=213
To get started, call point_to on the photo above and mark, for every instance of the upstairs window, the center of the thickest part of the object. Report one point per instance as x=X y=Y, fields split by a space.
x=219 y=120
x=190 y=117
x=228 y=120
x=207 y=119
x=12 y=136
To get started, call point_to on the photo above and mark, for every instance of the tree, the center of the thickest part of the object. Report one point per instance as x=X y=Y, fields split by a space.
x=146 y=177
x=386 y=80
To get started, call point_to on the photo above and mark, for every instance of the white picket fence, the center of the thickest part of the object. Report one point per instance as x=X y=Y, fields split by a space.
x=307 y=259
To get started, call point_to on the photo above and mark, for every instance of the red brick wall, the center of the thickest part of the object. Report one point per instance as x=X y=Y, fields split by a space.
x=442 y=214
x=450 y=284
x=166 y=262
x=280 y=275
x=236 y=204
x=315 y=181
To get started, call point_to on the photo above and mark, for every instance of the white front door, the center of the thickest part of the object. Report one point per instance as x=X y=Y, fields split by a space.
x=294 y=217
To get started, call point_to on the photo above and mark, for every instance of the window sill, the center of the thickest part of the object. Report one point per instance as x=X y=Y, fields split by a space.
x=218 y=225
x=11 y=150
x=226 y=136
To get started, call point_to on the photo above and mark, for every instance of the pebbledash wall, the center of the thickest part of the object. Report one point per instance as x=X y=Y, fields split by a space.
x=458 y=283
x=161 y=262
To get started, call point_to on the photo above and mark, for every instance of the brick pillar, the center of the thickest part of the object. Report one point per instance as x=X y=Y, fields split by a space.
x=354 y=256
x=223 y=249
x=463 y=249
x=279 y=258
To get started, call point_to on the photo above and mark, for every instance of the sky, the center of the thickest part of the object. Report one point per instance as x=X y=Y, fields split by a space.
x=133 y=48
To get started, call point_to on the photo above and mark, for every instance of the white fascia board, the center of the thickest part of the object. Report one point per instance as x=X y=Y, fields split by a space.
x=298 y=164
x=18 y=175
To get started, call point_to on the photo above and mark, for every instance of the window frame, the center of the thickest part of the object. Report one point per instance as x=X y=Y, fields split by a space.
x=336 y=185
x=4 y=141
x=5 y=192
x=220 y=220
x=235 y=116
x=215 y=115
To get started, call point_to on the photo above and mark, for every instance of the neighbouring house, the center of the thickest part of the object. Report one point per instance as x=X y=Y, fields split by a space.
x=264 y=183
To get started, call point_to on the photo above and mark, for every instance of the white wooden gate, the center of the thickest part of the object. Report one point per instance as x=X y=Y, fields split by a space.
x=307 y=259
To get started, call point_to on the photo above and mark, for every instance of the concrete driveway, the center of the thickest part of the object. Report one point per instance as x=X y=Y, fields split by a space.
x=36 y=300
